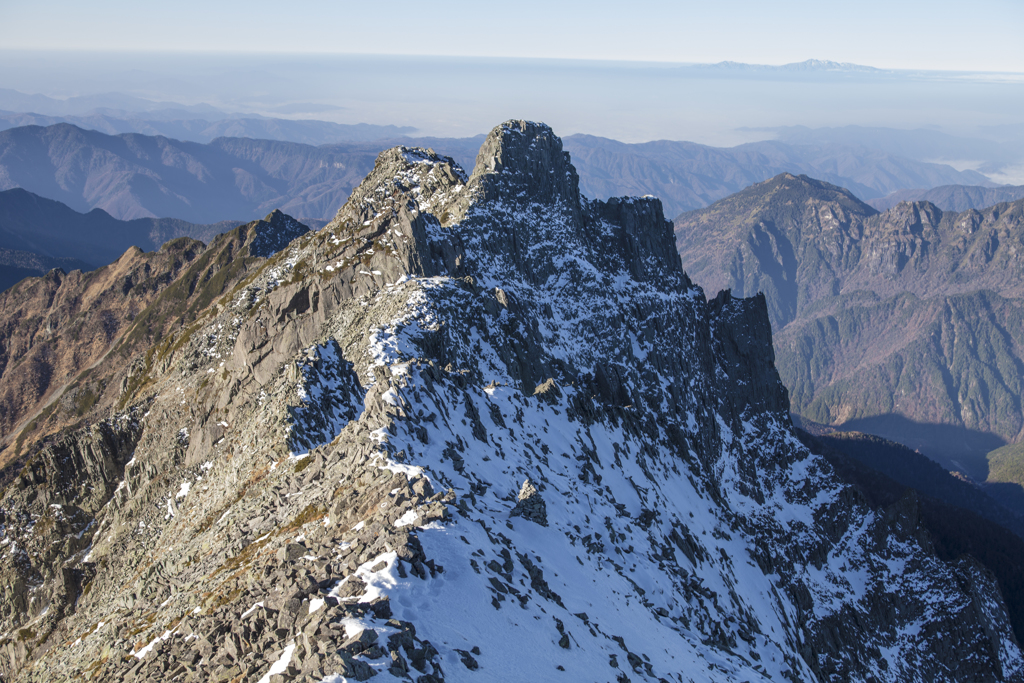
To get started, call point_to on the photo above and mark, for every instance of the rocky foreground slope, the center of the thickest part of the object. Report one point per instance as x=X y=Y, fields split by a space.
x=477 y=428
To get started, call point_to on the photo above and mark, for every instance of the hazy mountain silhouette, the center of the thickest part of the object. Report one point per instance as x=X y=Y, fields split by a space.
x=133 y=175
x=38 y=234
x=171 y=124
x=952 y=197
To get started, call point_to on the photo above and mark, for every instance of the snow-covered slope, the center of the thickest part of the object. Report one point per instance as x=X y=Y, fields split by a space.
x=478 y=429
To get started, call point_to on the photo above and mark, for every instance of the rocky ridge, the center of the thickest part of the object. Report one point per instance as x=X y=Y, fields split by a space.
x=68 y=337
x=61 y=324
x=319 y=477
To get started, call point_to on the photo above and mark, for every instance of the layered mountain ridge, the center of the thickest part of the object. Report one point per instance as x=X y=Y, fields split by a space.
x=42 y=232
x=953 y=197
x=136 y=176
x=195 y=129
x=476 y=428
x=16 y=265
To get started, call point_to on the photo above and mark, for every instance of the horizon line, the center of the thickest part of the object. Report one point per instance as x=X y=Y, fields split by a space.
x=727 y=63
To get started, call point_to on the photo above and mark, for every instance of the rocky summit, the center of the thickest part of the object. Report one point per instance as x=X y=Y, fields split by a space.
x=478 y=428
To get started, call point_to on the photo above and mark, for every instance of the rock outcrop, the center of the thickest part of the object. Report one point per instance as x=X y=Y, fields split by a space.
x=530 y=505
x=324 y=482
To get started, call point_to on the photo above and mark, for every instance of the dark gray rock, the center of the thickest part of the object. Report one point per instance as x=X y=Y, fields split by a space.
x=530 y=505
x=360 y=641
x=274 y=233
x=290 y=552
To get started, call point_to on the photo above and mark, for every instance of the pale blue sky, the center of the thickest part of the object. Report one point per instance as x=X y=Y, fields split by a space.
x=902 y=34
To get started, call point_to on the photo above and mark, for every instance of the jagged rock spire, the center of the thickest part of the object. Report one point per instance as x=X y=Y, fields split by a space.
x=523 y=159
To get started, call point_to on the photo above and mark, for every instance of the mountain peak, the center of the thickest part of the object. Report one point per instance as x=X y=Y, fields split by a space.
x=773 y=219
x=826 y=65
x=523 y=158
x=517 y=216
x=523 y=209
x=802 y=189
x=806 y=65
x=274 y=232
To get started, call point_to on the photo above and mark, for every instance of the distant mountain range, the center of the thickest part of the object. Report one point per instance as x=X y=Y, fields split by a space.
x=16 y=265
x=806 y=65
x=995 y=152
x=116 y=113
x=908 y=324
x=685 y=175
x=953 y=197
x=922 y=144
x=39 y=234
x=202 y=130
x=111 y=103
x=134 y=176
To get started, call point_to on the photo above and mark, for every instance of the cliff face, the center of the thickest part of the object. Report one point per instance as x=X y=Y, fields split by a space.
x=905 y=324
x=479 y=427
